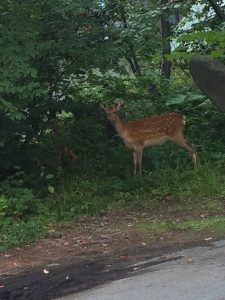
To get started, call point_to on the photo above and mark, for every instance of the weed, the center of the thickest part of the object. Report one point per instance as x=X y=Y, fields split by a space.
x=214 y=226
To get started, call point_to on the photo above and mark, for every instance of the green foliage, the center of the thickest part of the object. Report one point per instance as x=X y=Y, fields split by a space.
x=202 y=42
x=19 y=233
x=17 y=202
x=21 y=214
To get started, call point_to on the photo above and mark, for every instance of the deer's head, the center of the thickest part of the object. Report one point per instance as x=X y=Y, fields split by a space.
x=112 y=111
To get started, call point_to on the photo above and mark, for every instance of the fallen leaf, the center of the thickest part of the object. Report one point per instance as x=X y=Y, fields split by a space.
x=53 y=265
x=123 y=258
x=190 y=260
x=82 y=242
x=104 y=237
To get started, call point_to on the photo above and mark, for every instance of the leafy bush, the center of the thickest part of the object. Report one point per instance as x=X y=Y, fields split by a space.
x=22 y=215
x=19 y=233
x=17 y=201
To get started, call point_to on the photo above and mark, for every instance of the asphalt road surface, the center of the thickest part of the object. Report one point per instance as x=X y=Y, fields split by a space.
x=194 y=274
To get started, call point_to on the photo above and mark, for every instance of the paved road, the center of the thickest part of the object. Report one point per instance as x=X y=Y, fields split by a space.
x=199 y=274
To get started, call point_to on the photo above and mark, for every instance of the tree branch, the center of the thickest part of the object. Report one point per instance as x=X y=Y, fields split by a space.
x=135 y=67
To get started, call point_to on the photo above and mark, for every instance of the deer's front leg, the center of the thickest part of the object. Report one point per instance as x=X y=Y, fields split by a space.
x=135 y=161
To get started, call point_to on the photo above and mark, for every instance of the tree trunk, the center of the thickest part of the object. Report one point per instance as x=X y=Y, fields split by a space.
x=146 y=4
x=166 y=48
x=218 y=10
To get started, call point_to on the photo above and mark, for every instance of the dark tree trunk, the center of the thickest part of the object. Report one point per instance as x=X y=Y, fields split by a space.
x=146 y=4
x=218 y=10
x=166 y=48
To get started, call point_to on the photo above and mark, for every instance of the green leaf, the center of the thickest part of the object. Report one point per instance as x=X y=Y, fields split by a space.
x=176 y=100
x=49 y=176
x=51 y=189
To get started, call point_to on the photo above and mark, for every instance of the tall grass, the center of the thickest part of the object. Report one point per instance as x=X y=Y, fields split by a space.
x=165 y=188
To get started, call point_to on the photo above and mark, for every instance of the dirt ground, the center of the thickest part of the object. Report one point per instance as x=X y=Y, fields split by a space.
x=83 y=254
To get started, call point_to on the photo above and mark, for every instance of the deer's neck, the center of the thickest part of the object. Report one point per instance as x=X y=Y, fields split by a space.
x=119 y=125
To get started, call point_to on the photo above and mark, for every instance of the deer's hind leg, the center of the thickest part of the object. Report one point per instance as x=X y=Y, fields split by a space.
x=137 y=159
x=180 y=140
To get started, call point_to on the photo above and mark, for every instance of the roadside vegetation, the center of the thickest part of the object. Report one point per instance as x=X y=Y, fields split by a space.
x=60 y=159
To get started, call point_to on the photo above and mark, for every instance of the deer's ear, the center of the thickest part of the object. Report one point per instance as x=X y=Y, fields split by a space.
x=118 y=105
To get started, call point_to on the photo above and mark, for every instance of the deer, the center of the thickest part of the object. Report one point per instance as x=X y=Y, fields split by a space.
x=148 y=132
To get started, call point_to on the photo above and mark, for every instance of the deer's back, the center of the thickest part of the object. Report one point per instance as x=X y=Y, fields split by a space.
x=152 y=130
